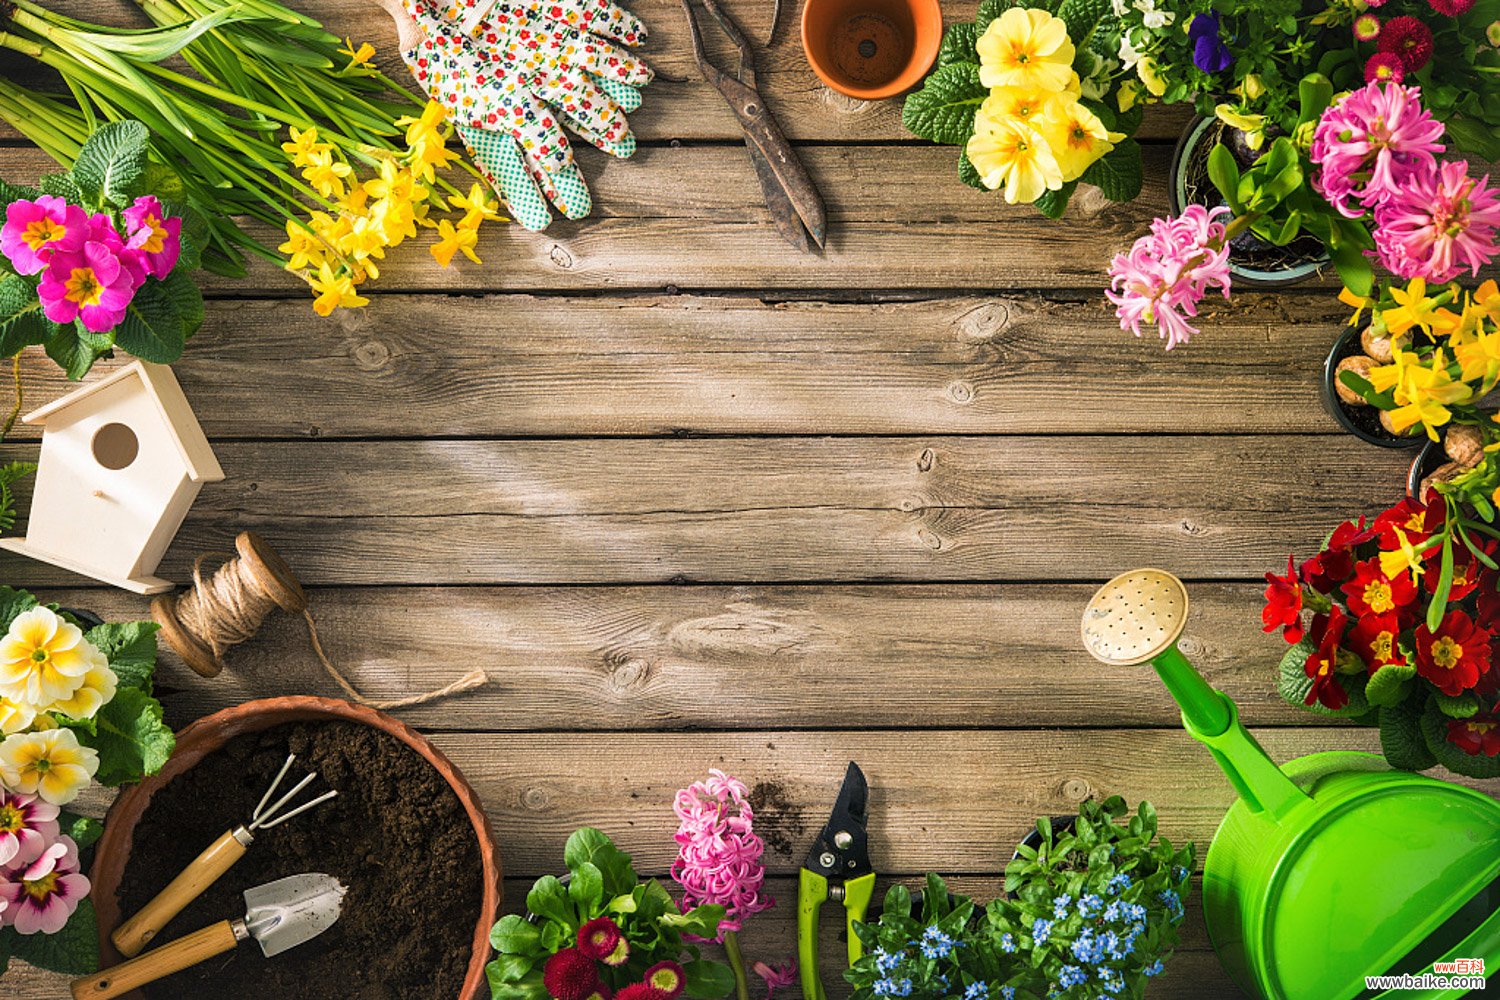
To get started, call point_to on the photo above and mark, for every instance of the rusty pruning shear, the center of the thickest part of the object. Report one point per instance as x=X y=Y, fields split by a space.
x=793 y=199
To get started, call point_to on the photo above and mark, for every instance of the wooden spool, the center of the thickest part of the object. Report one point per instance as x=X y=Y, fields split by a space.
x=271 y=575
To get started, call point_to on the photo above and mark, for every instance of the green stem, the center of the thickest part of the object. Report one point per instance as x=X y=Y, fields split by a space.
x=737 y=965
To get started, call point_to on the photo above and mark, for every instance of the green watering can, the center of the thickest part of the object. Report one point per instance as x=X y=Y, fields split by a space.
x=1332 y=868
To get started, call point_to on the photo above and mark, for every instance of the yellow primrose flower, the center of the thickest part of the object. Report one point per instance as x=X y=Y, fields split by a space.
x=98 y=690
x=326 y=174
x=1013 y=155
x=1254 y=126
x=1028 y=49
x=15 y=716
x=334 y=290
x=1077 y=137
x=360 y=56
x=476 y=205
x=1414 y=309
x=1156 y=84
x=303 y=145
x=44 y=658
x=1127 y=96
x=451 y=241
x=51 y=764
x=1015 y=102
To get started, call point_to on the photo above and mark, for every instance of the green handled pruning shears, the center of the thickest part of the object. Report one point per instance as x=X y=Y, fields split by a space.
x=838 y=868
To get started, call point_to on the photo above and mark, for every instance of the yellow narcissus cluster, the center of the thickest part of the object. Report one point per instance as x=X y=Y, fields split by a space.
x=48 y=667
x=336 y=252
x=1032 y=134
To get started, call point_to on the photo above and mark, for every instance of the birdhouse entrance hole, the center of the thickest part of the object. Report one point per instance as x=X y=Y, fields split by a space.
x=115 y=446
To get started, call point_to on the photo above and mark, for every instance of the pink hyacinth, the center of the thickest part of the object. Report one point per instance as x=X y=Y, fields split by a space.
x=1167 y=273
x=777 y=977
x=156 y=235
x=27 y=826
x=1368 y=144
x=35 y=230
x=39 y=897
x=1440 y=224
x=718 y=853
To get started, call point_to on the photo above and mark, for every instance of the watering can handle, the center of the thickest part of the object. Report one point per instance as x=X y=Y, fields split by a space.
x=1263 y=785
x=1483 y=943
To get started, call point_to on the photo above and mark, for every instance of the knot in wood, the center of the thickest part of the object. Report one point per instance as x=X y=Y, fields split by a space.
x=535 y=799
x=372 y=355
x=930 y=539
x=926 y=460
x=1076 y=789
x=560 y=257
x=628 y=672
x=961 y=392
x=843 y=103
x=984 y=322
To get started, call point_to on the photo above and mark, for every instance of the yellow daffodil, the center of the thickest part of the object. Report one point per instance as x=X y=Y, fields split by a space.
x=1076 y=136
x=1026 y=48
x=1413 y=308
x=1478 y=356
x=1013 y=155
x=334 y=290
x=326 y=174
x=477 y=205
x=1425 y=392
x=1359 y=303
x=1254 y=126
x=1156 y=84
x=1403 y=559
x=420 y=129
x=51 y=764
x=358 y=56
x=453 y=239
x=44 y=659
x=303 y=247
x=303 y=145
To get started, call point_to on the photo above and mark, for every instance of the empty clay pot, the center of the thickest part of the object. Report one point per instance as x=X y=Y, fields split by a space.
x=208 y=734
x=871 y=49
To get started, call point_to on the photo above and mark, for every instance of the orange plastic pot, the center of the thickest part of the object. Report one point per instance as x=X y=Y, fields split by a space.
x=208 y=734
x=871 y=49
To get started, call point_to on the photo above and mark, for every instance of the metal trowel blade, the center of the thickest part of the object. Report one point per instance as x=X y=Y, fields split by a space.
x=281 y=915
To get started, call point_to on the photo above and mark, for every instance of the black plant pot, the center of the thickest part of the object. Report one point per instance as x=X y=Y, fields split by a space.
x=1428 y=460
x=1361 y=421
x=1033 y=840
x=1253 y=262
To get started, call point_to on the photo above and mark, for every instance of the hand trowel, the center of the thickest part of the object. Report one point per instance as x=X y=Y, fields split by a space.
x=279 y=915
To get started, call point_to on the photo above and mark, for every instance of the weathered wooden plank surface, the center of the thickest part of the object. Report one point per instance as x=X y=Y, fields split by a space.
x=680 y=105
x=638 y=658
x=780 y=509
x=409 y=366
x=694 y=217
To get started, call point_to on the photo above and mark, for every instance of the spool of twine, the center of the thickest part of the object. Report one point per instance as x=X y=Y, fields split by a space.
x=227 y=608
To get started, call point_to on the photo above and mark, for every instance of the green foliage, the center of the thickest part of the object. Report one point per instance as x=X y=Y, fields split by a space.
x=943 y=110
x=958 y=44
x=602 y=882
x=1053 y=204
x=1293 y=684
x=131 y=650
x=1117 y=174
x=1390 y=685
x=1401 y=737
x=1082 y=17
x=111 y=166
x=10 y=474
x=72 y=951
x=130 y=736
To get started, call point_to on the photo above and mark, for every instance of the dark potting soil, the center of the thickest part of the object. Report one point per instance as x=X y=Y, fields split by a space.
x=1366 y=418
x=396 y=836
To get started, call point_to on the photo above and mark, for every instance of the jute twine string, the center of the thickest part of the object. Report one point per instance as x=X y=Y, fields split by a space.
x=228 y=608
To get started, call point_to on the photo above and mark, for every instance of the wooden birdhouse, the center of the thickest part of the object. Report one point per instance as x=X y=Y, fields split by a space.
x=122 y=461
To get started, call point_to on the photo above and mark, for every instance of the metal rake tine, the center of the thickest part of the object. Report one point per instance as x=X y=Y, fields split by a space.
x=304 y=807
x=270 y=791
x=263 y=821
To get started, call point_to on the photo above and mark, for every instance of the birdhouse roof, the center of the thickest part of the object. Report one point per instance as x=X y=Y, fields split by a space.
x=160 y=385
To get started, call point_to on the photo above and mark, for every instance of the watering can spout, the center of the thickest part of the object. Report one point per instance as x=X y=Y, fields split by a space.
x=1137 y=618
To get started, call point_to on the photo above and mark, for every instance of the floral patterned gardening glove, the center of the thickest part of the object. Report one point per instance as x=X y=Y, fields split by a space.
x=507 y=92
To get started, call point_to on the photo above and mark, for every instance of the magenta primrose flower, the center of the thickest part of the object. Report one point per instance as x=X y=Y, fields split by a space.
x=158 y=236
x=27 y=826
x=1168 y=272
x=1441 y=223
x=1368 y=144
x=91 y=284
x=35 y=230
x=40 y=896
x=719 y=854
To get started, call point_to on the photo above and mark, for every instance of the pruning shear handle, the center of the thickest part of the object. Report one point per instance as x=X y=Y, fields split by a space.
x=813 y=891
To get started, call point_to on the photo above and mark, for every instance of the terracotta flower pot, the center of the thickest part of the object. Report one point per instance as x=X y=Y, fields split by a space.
x=871 y=49
x=208 y=734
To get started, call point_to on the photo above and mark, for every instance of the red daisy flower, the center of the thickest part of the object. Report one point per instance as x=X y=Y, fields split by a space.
x=1385 y=67
x=1454 y=656
x=1371 y=592
x=640 y=991
x=1374 y=639
x=668 y=978
x=570 y=975
x=1478 y=735
x=1283 y=608
x=1451 y=8
x=1328 y=569
x=600 y=939
x=1322 y=663
x=1409 y=39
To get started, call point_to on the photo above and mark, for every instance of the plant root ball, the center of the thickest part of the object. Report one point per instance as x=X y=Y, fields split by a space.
x=1379 y=345
x=1464 y=443
x=1442 y=474
x=1359 y=365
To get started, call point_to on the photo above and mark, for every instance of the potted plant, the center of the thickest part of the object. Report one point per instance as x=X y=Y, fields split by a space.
x=1360 y=352
x=605 y=933
x=1403 y=629
x=1091 y=909
x=76 y=708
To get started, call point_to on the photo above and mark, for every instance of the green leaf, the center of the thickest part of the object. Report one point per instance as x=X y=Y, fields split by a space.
x=943 y=110
x=153 y=328
x=513 y=934
x=112 y=163
x=130 y=648
x=897 y=902
x=1389 y=685
x=130 y=736
x=1082 y=17
x=183 y=292
x=587 y=889
x=21 y=321
x=549 y=899
x=72 y=951
x=968 y=174
x=701 y=921
x=1293 y=684
x=1464 y=706
x=1053 y=204
x=510 y=968
x=958 y=44
x=1435 y=727
x=1438 y=607
x=707 y=980
x=84 y=830
x=1314 y=93
x=1472 y=136
x=10 y=474
x=591 y=845
x=1224 y=171
x=530 y=987
x=75 y=349
x=62 y=186
x=1353 y=267
x=12 y=603
x=1118 y=174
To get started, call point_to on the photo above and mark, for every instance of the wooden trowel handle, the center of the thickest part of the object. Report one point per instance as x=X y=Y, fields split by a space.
x=136 y=933
x=174 y=956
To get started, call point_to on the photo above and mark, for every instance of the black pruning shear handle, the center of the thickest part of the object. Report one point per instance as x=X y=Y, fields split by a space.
x=838 y=868
x=794 y=202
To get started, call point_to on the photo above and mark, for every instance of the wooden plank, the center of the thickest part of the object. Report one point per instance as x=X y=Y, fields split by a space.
x=681 y=105
x=522 y=366
x=780 y=509
x=693 y=217
x=636 y=658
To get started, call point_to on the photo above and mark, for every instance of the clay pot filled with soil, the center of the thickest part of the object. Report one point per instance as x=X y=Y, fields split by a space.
x=405 y=835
